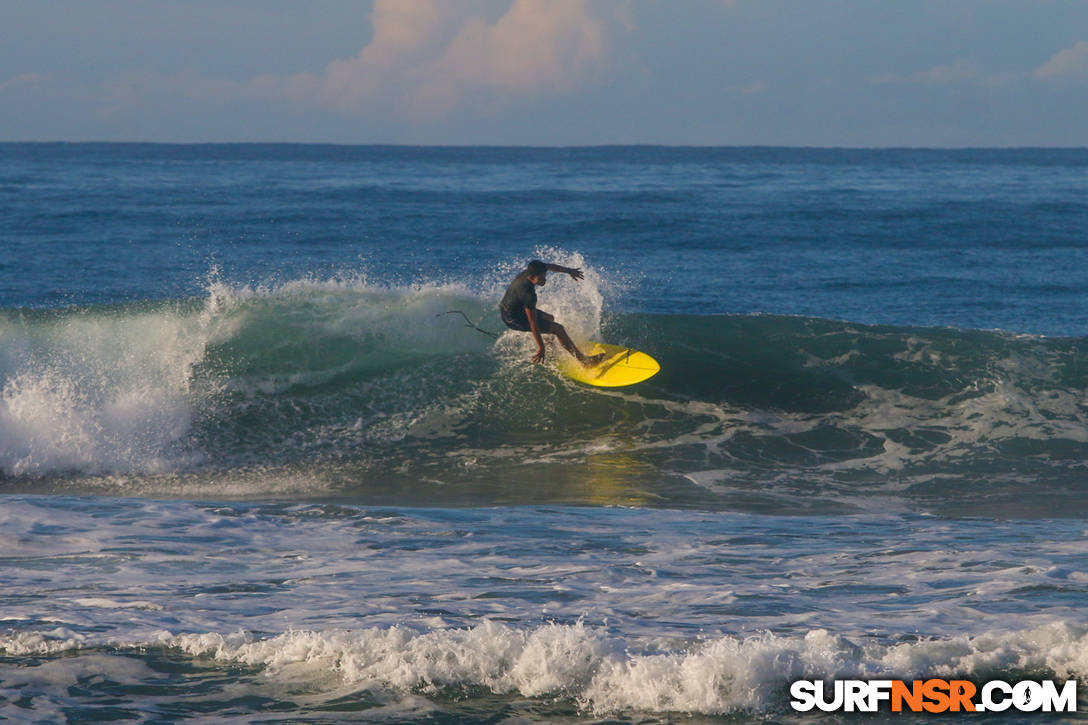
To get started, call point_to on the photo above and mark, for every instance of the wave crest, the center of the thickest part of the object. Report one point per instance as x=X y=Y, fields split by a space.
x=606 y=674
x=372 y=386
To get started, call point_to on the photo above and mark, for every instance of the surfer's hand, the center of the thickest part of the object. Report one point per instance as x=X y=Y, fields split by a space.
x=539 y=357
x=576 y=273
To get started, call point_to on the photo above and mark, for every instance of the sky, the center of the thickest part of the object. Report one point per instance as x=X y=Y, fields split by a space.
x=854 y=73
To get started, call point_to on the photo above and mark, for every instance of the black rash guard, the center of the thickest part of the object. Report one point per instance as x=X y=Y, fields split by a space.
x=521 y=294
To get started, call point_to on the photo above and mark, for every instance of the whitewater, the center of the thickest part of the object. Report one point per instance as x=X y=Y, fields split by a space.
x=252 y=469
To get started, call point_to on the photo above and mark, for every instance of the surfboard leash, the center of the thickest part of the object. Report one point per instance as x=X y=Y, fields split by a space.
x=469 y=323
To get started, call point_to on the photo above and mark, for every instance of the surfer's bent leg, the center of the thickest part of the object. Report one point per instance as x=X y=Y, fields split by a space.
x=554 y=328
x=566 y=342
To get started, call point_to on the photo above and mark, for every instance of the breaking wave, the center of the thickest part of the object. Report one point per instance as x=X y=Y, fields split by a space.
x=359 y=385
x=597 y=671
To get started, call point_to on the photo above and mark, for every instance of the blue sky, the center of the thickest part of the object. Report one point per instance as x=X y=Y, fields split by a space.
x=548 y=72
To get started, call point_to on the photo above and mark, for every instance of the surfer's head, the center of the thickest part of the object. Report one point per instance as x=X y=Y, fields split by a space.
x=537 y=272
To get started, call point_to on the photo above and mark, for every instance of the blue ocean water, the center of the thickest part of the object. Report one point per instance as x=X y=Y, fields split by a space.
x=250 y=469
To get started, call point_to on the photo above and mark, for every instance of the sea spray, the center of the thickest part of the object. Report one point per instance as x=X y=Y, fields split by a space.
x=99 y=391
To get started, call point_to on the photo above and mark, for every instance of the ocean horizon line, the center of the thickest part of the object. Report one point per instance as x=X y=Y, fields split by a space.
x=543 y=147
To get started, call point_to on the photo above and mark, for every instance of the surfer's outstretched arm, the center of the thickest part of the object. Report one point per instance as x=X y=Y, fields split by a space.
x=575 y=273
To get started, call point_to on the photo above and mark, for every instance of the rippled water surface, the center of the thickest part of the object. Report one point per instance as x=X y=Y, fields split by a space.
x=251 y=470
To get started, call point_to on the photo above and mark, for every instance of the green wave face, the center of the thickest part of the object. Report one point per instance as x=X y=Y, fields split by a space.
x=344 y=390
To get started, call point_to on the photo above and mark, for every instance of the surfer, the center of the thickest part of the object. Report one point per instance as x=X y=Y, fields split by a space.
x=519 y=312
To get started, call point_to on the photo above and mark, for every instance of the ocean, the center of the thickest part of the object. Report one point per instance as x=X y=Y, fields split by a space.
x=252 y=469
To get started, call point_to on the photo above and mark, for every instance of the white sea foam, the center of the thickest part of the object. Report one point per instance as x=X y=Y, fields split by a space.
x=98 y=392
x=600 y=671
x=48 y=642
x=649 y=610
x=105 y=603
x=120 y=391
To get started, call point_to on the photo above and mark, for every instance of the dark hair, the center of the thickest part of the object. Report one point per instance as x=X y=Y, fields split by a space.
x=536 y=268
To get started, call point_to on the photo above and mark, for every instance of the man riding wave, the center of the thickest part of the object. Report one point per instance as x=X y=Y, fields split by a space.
x=519 y=312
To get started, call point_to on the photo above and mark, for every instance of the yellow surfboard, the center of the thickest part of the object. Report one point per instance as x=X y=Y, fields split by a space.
x=622 y=366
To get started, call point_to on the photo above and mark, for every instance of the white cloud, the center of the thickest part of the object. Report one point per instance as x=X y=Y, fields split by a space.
x=538 y=44
x=1069 y=63
x=21 y=81
x=189 y=85
x=427 y=56
x=962 y=71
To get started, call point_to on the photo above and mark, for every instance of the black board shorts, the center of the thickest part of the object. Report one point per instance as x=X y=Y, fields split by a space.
x=521 y=322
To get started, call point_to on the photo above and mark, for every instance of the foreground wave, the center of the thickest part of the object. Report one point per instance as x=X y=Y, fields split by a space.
x=341 y=388
x=120 y=606
x=568 y=666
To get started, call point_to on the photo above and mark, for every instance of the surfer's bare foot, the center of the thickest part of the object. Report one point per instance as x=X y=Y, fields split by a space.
x=591 y=360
